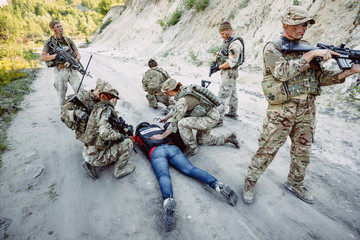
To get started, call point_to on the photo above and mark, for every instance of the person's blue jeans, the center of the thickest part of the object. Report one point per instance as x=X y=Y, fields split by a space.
x=166 y=153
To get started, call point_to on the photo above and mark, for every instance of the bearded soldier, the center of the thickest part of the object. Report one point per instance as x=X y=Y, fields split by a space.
x=195 y=108
x=103 y=144
x=76 y=117
x=301 y=74
x=152 y=82
x=229 y=58
x=63 y=73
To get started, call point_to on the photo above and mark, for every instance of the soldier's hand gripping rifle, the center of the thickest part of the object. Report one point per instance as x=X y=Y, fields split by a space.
x=75 y=100
x=344 y=60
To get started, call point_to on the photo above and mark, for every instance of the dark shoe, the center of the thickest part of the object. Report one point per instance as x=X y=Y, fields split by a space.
x=220 y=123
x=190 y=151
x=169 y=214
x=90 y=170
x=233 y=139
x=249 y=192
x=227 y=192
x=301 y=192
x=128 y=169
x=231 y=115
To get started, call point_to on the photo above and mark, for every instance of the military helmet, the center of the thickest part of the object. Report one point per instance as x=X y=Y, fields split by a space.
x=101 y=84
x=295 y=15
x=169 y=84
x=110 y=90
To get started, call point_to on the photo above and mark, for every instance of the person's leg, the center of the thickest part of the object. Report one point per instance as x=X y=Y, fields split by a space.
x=152 y=100
x=160 y=165
x=60 y=84
x=74 y=80
x=122 y=167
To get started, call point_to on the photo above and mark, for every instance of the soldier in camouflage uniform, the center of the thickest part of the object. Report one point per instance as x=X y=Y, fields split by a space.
x=103 y=144
x=294 y=117
x=229 y=58
x=74 y=116
x=63 y=74
x=152 y=82
x=187 y=115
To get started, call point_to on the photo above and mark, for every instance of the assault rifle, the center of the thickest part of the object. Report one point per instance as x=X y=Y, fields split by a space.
x=75 y=100
x=344 y=61
x=119 y=124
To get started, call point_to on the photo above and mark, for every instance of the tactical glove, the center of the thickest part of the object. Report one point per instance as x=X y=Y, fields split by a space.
x=214 y=69
x=59 y=57
x=81 y=114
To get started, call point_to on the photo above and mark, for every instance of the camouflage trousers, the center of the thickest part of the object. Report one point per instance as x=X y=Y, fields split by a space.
x=118 y=152
x=294 y=119
x=227 y=92
x=62 y=78
x=154 y=99
x=203 y=125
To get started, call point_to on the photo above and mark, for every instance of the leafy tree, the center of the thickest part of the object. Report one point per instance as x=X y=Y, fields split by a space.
x=104 y=6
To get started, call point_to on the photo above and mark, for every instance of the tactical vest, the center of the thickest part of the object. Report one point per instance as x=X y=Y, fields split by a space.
x=224 y=52
x=56 y=62
x=204 y=102
x=164 y=74
x=277 y=92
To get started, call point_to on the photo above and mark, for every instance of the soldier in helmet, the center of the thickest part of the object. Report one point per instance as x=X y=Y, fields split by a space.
x=229 y=58
x=76 y=117
x=152 y=82
x=195 y=108
x=103 y=144
x=63 y=74
x=295 y=116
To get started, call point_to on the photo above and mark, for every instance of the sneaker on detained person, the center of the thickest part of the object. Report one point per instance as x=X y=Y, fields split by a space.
x=301 y=192
x=227 y=192
x=169 y=214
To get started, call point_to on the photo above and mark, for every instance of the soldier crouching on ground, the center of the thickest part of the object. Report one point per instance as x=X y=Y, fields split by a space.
x=74 y=116
x=195 y=108
x=293 y=116
x=152 y=82
x=103 y=144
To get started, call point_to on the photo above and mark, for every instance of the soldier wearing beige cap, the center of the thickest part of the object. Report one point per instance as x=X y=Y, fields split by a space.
x=299 y=78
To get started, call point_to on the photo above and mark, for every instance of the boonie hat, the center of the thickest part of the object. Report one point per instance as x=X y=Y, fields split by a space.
x=168 y=85
x=295 y=15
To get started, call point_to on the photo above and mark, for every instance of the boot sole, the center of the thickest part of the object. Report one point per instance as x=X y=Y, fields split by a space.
x=231 y=196
x=291 y=189
x=169 y=216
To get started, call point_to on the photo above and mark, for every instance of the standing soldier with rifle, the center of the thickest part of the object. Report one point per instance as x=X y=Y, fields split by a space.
x=104 y=142
x=64 y=64
x=291 y=82
x=229 y=58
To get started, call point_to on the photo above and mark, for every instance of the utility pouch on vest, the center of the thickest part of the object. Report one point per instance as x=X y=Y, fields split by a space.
x=275 y=91
x=198 y=111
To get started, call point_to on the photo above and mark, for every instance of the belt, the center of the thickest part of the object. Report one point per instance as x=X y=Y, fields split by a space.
x=61 y=66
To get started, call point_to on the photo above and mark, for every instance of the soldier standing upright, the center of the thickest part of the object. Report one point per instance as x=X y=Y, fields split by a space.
x=294 y=117
x=63 y=73
x=152 y=82
x=228 y=59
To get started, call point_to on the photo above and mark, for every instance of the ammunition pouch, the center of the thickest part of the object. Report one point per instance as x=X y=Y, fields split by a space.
x=275 y=91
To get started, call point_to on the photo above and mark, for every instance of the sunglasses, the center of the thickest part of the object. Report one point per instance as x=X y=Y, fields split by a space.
x=303 y=24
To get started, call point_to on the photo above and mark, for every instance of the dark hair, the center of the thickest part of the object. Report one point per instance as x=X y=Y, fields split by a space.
x=152 y=63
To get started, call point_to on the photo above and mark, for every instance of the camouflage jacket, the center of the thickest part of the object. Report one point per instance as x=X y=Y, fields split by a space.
x=300 y=76
x=153 y=79
x=99 y=132
x=234 y=49
x=66 y=43
x=69 y=117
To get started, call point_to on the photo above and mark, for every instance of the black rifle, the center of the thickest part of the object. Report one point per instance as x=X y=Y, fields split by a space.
x=119 y=124
x=73 y=62
x=75 y=100
x=347 y=56
x=213 y=64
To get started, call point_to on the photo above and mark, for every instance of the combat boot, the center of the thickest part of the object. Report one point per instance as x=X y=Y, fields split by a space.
x=227 y=192
x=233 y=139
x=220 y=123
x=128 y=169
x=231 y=115
x=300 y=191
x=90 y=170
x=189 y=151
x=169 y=214
x=249 y=192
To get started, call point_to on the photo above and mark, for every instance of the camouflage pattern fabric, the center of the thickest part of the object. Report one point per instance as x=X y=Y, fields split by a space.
x=69 y=117
x=295 y=118
x=152 y=82
x=62 y=78
x=227 y=92
x=99 y=133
